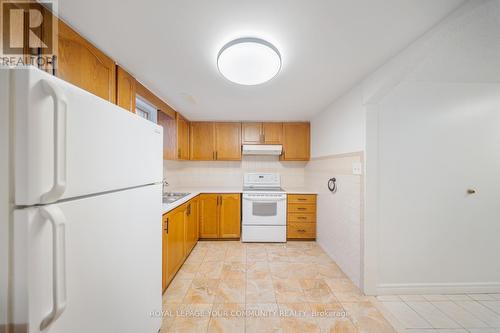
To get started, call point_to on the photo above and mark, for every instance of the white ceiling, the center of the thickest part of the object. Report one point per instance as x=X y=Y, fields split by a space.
x=327 y=46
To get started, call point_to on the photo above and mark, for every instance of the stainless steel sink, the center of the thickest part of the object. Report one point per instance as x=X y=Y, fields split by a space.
x=171 y=197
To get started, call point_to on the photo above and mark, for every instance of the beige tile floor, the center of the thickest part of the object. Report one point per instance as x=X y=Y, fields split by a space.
x=229 y=286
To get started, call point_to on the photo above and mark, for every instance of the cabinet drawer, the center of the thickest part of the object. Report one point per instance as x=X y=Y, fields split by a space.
x=301 y=208
x=301 y=230
x=298 y=217
x=302 y=198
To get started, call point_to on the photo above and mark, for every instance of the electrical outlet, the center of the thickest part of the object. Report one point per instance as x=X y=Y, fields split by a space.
x=356 y=168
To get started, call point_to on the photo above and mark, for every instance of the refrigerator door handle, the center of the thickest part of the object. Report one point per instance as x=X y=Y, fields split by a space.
x=60 y=110
x=59 y=299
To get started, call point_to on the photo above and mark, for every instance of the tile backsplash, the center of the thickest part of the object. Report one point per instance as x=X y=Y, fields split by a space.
x=228 y=173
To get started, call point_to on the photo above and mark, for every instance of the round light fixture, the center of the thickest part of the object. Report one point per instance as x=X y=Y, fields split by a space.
x=249 y=61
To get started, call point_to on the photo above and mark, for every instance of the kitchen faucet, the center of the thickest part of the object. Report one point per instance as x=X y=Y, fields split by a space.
x=164 y=184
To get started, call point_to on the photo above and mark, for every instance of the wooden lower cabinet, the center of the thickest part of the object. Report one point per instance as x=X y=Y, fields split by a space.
x=301 y=216
x=173 y=236
x=180 y=234
x=229 y=215
x=209 y=215
x=191 y=225
x=220 y=216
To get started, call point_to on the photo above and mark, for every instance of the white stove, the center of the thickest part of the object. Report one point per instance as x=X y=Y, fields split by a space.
x=264 y=208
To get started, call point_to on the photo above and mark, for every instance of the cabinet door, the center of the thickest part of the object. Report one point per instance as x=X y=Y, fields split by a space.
x=230 y=215
x=125 y=90
x=164 y=248
x=202 y=141
x=272 y=133
x=83 y=65
x=191 y=225
x=251 y=133
x=196 y=218
x=228 y=141
x=296 y=141
x=175 y=241
x=209 y=219
x=182 y=138
x=169 y=125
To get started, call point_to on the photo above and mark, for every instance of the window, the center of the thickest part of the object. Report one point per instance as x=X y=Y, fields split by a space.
x=145 y=110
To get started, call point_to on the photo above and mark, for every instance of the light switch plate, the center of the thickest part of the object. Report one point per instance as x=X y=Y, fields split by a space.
x=356 y=168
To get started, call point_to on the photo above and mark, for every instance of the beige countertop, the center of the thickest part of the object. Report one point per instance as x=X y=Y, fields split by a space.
x=194 y=191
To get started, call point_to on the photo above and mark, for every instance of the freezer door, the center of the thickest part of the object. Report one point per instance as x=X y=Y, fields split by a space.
x=70 y=143
x=89 y=265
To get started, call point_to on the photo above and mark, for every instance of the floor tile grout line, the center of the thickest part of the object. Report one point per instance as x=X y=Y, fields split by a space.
x=473 y=314
x=438 y=310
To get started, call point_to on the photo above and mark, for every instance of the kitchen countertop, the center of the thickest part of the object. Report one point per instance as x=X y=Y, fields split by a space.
x=194 y=191
x=299 y=190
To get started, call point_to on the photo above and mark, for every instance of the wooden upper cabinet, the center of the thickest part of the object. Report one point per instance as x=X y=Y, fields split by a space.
x=209 y=215
x=125 y=89
x=175 y=136
x=202 y=141
x=251 y=133
x=261 y=133
x=228 y=141
x=272 y=133
x=296 y=141
x=169 y=125
x=83 y=65
x=229 y=216
x=182 y=138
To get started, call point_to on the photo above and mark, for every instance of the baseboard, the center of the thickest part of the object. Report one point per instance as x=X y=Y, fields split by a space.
x=439 y=288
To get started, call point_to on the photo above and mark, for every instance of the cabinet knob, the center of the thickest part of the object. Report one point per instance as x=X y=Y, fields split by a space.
x=471 y=191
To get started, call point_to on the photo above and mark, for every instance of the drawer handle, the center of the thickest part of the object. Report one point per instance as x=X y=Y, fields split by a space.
x=301 y=199
x=301 y=218
x=301 y=230
x=301 y=208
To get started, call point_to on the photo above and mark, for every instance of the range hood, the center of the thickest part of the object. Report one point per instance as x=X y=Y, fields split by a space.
x=274 y=150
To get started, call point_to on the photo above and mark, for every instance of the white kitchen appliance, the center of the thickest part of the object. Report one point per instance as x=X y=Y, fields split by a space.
x=264 y=208
x=81 y=210
x=275 y=150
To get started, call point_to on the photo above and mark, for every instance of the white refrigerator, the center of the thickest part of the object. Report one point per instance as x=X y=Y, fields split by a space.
x=80 y=210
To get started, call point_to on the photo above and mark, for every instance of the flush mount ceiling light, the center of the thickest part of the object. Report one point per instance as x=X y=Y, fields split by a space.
x=249 y=61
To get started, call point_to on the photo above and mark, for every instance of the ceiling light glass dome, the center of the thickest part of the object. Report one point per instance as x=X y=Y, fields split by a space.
x=249 y=61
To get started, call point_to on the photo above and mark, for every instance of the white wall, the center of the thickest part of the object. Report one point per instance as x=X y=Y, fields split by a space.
x=340 y=128
x=335 y=132
x=432 y=133
x=339 y=214
x=425 y=122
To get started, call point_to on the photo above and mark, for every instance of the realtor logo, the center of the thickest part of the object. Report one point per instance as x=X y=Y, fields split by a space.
x=28 y=32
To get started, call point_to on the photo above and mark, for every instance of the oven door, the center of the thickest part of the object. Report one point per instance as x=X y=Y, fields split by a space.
x=265 y=209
